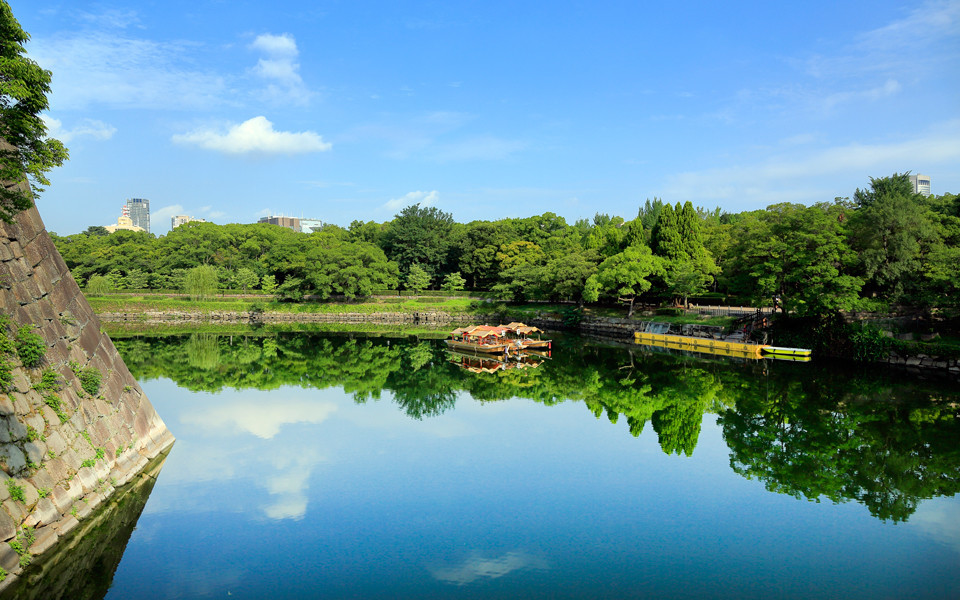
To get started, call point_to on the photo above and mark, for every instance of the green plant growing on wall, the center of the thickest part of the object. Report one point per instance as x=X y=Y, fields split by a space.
x=44 y=492
x=101 y=452
x=75 y=367
x=6 y=375
x=90 y=379
x=21 y=545
x=16 y=491
x=30 y=346
x=49 y=380
x=54 y=402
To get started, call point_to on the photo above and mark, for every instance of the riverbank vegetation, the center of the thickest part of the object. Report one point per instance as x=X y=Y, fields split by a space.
x=886 y=246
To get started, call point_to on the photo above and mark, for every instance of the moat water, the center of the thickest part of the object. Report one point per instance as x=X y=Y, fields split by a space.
x=347 y=466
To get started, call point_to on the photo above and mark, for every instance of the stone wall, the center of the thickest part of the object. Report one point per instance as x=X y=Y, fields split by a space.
x=63 y=449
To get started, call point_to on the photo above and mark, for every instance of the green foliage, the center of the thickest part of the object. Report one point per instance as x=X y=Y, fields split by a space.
x=90 y=379
x=44 y=492
x=453 y=282
x=268 y=284
x=27 y=153
x=417 y=278
x=245 y=278
x=16 y=491
x=201 y=282
x=6 y=374
x=30 y=347
x=49 y=381
x=21 y=545
x=54 y=402
x=100 y=454
x=99 y=285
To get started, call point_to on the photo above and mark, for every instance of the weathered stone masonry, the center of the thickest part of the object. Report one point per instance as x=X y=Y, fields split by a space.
x=114 y=433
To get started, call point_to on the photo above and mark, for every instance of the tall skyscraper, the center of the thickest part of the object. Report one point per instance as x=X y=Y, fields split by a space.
x=138 y=209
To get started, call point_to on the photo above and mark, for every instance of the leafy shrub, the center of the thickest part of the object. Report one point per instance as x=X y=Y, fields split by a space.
x=30 y=347
x=670 y=312
x=54 y=402
x=90 y=379
x=16 y=491
x=49 y=380
x=6 y=375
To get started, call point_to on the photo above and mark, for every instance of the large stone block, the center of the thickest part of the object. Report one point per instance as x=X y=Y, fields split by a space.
x=8 y=529
x=45 y=538
x=12 y=458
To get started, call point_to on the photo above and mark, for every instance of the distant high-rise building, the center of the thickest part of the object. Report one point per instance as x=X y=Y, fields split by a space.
x=288 y=222
x=179 y=220
x=138 y=209
x=921 y=184
x=310 y=225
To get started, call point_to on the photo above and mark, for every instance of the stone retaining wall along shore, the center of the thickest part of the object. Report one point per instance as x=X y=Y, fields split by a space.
x=384 y=318
x=74 y=426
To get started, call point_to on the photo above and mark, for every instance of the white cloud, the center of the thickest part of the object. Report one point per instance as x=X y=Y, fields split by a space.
x=281 y=68
x=254 y=136
x=99 y=69
x=425 y=199
x=801 y=177
x=92 y=128
x=160 y=218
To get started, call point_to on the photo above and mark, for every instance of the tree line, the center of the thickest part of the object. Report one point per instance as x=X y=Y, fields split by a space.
x=887 y=244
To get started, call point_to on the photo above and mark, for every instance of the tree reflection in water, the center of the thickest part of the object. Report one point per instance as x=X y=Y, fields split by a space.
x=804 y=430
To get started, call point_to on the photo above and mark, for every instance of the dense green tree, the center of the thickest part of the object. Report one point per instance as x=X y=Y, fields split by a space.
x=245 y=278
x=421 y=235
x=624 y=276
x=417 y=279
x=99 y=285
x=797 y=252
x=893 y=232
x=136 y=279
x=453 y=282
x=26 y=153
x=201 y=282
x=97 y=230
x=563 y=278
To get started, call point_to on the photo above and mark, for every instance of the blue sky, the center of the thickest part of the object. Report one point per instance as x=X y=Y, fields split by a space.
x=231 y=109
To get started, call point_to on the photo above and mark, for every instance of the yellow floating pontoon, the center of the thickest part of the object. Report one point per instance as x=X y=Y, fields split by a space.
x=720 y=347
x=695 y=344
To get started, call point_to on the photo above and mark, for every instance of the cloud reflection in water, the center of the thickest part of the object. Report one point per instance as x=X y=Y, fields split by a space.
x=477 y=566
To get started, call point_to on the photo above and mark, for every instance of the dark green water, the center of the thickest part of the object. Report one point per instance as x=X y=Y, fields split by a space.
x=312 y=466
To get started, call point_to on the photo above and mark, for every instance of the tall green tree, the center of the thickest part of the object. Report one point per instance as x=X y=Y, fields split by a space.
x=422 y=235
x=26 y=153
x=625 y=276
x=417 y=279
x=893 y=231
x=201 y=282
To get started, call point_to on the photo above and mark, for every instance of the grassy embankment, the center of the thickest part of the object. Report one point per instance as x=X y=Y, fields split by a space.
x=485 y=311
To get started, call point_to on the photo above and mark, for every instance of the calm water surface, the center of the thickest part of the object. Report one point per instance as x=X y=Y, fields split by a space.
x=311 y=466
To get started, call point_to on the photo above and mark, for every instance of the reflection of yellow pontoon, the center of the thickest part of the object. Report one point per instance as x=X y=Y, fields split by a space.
x=736 y=349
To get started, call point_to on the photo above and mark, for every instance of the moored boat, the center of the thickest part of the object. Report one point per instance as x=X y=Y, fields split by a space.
x=502 y=339
x=781 y=351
